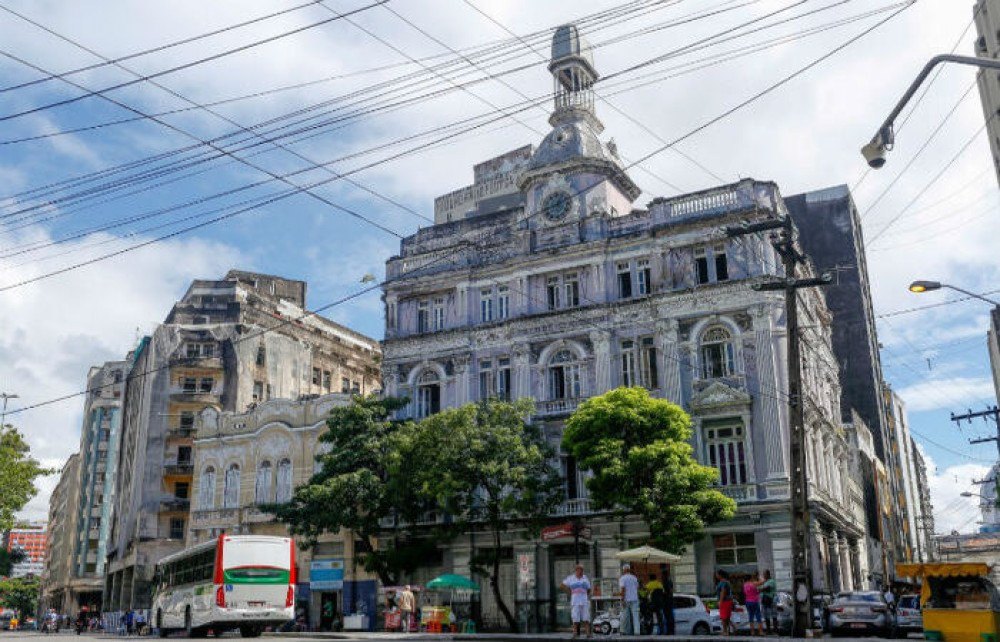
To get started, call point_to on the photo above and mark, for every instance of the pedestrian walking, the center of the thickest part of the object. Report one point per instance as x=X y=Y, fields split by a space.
x=751 y=598
x=724 y=590
x=407 y=605
x=578 y=586
x=658 y=602
x=629 y=587
x=768 y=595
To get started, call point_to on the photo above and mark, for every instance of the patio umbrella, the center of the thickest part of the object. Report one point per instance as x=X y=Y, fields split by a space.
x=647 y=554
x=452 y=582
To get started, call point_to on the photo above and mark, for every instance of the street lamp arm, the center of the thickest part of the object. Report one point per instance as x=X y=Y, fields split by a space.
x=972 y=294
x=884 y=134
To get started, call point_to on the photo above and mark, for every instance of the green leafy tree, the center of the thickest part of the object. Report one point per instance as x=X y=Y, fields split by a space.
x=489 y=469
x=18 y=472
x=637 y=448
x=9 y=558
x=20 y=594
x=357 y=487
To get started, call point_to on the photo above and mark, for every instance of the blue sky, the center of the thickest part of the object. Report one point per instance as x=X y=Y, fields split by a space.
x=804 y=136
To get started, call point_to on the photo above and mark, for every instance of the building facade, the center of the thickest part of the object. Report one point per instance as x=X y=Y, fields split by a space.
x=55 y=592
x=986 y=14
x=245 y=460
x=229 y=345
x=32 y=538
x=558 y=289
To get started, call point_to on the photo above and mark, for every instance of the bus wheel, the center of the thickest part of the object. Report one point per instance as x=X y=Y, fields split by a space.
x=191 y=631
x=250 y=631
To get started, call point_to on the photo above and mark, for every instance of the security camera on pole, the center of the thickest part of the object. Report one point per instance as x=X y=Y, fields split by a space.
x=784 y=243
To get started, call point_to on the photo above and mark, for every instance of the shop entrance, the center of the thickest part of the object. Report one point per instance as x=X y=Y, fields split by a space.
x=327 y=611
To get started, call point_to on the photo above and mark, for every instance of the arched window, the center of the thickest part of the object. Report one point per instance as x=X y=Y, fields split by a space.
x=564 y=376
x=231 y=488
x=428 y=394
x=206 y=489
x=284 y=487
x=262 y=489
x=718 y=356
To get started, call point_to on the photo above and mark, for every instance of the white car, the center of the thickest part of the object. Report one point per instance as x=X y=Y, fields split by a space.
x=691 y=617
x=740 y=621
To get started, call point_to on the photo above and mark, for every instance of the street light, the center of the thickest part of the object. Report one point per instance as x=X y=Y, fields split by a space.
x=968 y=494
x=884 y=139
x=3 y=413
x=919 y=287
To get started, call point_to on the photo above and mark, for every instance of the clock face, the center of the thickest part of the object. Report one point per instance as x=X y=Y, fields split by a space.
x=556 y=205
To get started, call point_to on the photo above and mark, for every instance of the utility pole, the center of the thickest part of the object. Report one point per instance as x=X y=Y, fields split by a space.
x=989 y=413
x=3 y=413
x=784 y=243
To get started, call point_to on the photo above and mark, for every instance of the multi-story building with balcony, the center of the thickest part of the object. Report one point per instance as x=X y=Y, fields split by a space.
x=58 y=569
x=228 y=345
x=544 y=280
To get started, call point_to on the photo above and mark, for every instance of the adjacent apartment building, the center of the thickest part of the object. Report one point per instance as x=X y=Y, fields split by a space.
x=80 y=513
x=986 y=14
x=230 y=345
x=32 y=538
x=543 y=279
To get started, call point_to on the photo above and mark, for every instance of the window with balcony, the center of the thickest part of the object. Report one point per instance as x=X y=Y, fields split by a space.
x=624 y=272
x=283 y=493
x=262 y=487
x=206 y=489
x=718 y=355
x=735 y=548
x=428 y=398
x=503 y=302
x=564 y=376
x=725 y=450
x=231 y=487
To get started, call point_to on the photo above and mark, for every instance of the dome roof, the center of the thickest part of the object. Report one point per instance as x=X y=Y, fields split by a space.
x=569 y=45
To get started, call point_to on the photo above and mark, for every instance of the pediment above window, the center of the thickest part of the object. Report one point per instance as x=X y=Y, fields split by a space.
x=719 y=395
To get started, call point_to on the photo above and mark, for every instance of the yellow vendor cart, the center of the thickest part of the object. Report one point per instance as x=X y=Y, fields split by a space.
x=958 y=601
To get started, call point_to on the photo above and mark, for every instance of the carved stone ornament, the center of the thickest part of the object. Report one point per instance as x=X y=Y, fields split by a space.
x=719 y=395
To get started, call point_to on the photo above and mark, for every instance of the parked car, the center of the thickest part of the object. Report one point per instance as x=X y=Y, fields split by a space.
x=821 y=611
x=862 y=612
x=909 y=619
x=691 y=617
x=740 y=620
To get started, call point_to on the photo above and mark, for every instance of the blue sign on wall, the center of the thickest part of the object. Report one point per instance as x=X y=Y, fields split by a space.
x=326 y=574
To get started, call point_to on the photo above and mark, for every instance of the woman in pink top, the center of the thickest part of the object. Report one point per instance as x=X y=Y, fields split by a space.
x=751 y=594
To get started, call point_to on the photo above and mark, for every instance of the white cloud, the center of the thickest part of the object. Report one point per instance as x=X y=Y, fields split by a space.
x=951 y=510
x=53 y=331
x=935 y=393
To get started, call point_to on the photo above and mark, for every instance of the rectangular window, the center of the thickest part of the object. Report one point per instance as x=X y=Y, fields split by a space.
x=423 y=317
x=206 y=384
x=268 y=393
x=327 y=380
x=355 y=388
x=186 y=421
x=721 y=266
x=190 y=384
x=552 y=289
x=485 y=379
x=624 y=281
x=438 y=314
x=176 y=528
x=345 y=385
x=701 y=266
x=261 y=356
x=571 y=285
x=184 y=454
x=485 y=306
x=564 y=382
x=428 y=400
x=192 y=351
x=725 y=451
x=643 y=276
x=258 y=391
x=648 y=368
x=628 y=363
x=503 y=302
x=181 y=490
x=390 y=316
x=735 y=548
x=317 y=376
x=503 y=379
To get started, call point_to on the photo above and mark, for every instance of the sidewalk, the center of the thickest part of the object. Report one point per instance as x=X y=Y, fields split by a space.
x=561 y=637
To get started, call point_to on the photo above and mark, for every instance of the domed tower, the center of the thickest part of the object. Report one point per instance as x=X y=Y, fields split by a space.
x=573 y=175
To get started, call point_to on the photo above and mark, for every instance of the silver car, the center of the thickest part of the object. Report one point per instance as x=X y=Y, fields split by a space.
x=909 y=619
x=861 y=612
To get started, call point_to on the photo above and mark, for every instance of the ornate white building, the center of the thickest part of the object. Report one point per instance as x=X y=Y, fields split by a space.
x=544 y=280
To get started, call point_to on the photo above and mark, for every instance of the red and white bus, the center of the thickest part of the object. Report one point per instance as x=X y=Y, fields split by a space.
x=244 y=582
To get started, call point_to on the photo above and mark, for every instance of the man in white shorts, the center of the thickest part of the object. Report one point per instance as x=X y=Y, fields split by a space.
x=578 y=587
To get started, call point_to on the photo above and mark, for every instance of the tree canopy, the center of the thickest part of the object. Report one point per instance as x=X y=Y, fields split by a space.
x=20 y=594
x=637 y=449
x=18 y=473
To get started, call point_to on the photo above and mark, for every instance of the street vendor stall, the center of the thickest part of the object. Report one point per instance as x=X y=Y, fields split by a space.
x=439 y=619
x=958 y=601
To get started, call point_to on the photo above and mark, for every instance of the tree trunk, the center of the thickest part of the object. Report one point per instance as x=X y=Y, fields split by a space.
x=495 y=584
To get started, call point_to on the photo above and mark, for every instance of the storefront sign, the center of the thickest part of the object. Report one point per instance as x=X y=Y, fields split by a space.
x=326 y=574
x=565 y=531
